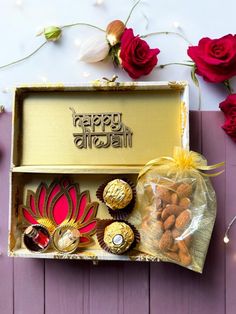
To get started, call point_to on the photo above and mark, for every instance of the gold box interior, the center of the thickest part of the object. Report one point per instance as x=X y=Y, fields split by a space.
x=29 y=181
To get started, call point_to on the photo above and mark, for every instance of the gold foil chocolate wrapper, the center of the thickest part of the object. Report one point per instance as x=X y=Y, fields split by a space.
x=119 y=196
x=117 y=237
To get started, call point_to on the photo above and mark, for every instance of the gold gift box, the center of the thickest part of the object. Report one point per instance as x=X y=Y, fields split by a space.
x=90 y=134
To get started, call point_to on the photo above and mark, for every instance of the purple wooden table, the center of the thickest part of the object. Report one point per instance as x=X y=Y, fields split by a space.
x=58 y=286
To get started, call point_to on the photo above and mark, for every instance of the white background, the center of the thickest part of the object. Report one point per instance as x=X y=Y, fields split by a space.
x=20 y=21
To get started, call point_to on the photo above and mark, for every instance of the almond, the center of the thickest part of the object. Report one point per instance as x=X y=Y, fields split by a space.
x=163 y=194
x=172 y=255
x=165 y=214
x=176 y=233
x=184 y=190
x=184 y=254
x=174 y=199
x=174 y=209
x=183 y=220
x=185 y=203
x=166 y=240
x=188 y=241
x=174 y=247
x=174 y=186
x=169 y=222
x=185 y=259
x=182 y=246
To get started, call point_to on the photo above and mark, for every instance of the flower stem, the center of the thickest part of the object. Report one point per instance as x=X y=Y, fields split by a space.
x=162 y=66
x=22 y=59
x=167 y=33
x=228 y=86
x=131 y=11
x=44 y=43
x=82 y=24
x=199 y=98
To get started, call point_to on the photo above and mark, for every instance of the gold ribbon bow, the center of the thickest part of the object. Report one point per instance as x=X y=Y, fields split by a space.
x=184 y=160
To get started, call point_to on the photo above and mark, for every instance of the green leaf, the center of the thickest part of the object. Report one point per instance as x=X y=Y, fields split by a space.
x=114 y=52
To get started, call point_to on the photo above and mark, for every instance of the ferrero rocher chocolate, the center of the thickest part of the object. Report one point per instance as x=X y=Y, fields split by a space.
x=118 y=236
x=117 y=194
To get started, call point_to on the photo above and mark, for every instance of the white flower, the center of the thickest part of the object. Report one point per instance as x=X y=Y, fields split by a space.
x=94 y=49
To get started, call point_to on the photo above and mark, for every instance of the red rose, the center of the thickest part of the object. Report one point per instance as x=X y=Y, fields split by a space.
x=136 y=56
x=215 y=59
x=228 y=106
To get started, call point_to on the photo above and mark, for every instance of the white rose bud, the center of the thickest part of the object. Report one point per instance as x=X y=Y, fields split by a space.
x=94 y=49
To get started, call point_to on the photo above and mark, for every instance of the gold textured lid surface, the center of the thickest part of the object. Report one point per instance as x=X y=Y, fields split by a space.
x=88 y=128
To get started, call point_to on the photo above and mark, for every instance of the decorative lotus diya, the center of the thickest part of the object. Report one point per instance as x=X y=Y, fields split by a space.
x=60 y=204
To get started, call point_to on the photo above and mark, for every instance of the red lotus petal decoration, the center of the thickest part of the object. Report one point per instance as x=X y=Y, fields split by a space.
x=61 y=203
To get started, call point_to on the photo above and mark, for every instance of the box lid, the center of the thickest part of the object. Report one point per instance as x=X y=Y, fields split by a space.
x=105 y=126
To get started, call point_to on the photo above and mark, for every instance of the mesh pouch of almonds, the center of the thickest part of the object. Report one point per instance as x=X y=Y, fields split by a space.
x=177 y=209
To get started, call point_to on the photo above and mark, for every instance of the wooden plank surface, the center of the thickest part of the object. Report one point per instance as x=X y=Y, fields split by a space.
x=230 y=210
x=207 y=291
x=79 y=287
x=6 y=264
x=106 y=285
x=136 y=288
x=67 y=287
x=28 y=286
